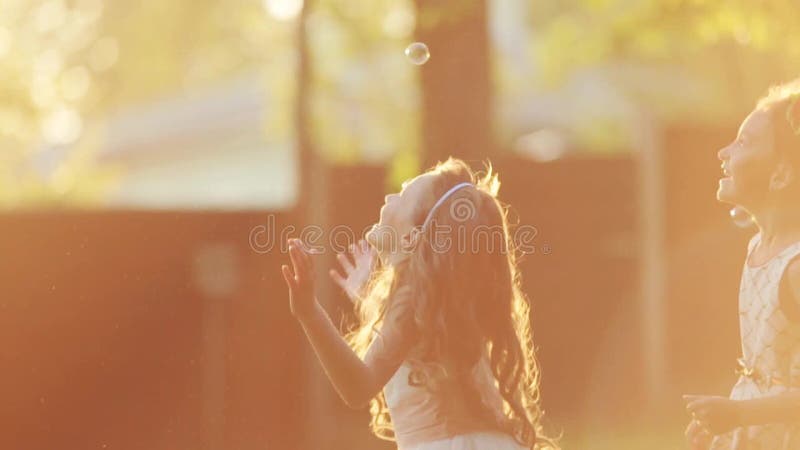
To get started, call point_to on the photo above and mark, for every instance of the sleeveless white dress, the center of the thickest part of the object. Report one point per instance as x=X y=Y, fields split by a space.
x=770 y=362
x=414 y=409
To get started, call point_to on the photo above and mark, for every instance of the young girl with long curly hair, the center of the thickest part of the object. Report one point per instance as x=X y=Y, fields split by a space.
x=443 y=351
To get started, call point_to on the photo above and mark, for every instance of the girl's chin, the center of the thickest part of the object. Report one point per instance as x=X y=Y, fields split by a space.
x=374 y=235
x=727 y=193
x=723 y=197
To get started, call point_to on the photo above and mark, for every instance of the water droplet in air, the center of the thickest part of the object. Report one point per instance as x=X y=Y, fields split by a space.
x=418 y=53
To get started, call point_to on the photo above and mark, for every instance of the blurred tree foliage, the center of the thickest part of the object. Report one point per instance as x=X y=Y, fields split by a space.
x=456 y=111
x=65 y=65
x=735 y=48
x=365 y=96
x=51 y=57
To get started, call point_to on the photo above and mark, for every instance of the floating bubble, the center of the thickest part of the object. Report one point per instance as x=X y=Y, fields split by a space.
x=418 y=53
x=741 y=218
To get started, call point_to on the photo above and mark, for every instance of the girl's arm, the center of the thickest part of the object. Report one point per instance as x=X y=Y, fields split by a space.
x=357 y=381
x=720 y=414
x=350 y=376
x=780 y=408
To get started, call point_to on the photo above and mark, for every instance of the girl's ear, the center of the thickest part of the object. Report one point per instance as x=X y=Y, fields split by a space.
x=782 y=176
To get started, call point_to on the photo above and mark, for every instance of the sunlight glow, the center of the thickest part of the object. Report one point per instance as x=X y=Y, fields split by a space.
x=283 y=10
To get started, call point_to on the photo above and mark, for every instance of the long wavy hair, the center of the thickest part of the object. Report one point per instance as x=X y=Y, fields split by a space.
x=468 y=306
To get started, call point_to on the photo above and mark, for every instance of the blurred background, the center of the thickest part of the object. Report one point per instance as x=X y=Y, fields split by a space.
x=154 y=155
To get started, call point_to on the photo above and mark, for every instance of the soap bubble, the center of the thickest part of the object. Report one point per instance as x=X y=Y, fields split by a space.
x=418 y=53
x=741 y=218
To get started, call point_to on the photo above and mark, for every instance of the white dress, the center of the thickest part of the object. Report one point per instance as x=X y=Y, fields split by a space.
x=413 y=410
x=770 y=362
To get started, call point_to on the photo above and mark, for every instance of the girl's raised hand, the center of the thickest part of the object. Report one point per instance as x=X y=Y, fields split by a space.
x=300 y=280
x=716 y=414
x=356 y=272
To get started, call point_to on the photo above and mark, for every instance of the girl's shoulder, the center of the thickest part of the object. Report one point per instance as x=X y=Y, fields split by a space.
x=400 y=309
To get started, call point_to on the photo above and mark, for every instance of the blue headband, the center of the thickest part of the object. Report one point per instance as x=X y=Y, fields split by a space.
x=441 y=200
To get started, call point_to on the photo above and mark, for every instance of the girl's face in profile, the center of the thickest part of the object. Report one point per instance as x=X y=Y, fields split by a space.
x=397 y=215
x=748 y=163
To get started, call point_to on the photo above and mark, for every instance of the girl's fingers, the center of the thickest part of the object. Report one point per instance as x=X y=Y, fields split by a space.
x=301 y=246
x=355 y=251
x=693 y=402
x=693 y=430
x=305 y=254
x=312 y=251
x=305 y=248
x=693 y=398
x=287 y=275
x=701 y=417
x=363 y=253
x=696 y=406
x=345 y=262
x=302 y=270
x=300 y=253
x=337 y=278
x=294 y=255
